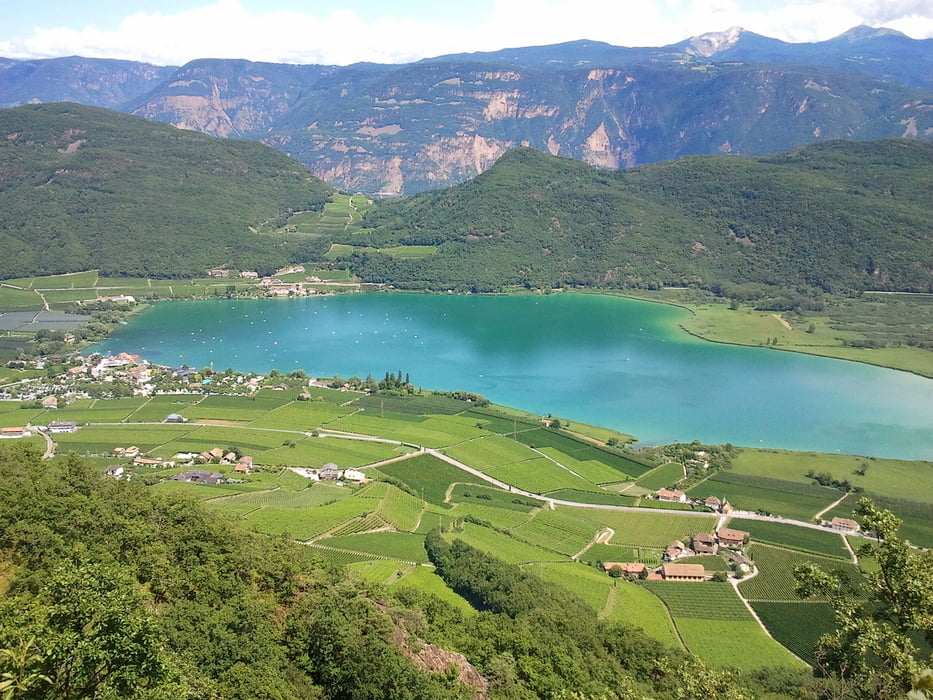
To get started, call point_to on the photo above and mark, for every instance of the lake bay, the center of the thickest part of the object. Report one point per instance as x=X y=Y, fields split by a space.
x=607 y=361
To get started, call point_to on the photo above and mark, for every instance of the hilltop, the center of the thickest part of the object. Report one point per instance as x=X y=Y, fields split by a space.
x=839 y=216
x=84 y=187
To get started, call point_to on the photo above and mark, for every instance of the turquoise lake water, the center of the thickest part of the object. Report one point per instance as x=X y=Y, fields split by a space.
x=602 y=360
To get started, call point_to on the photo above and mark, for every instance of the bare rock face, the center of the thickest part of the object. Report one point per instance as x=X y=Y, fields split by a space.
x=436 y=660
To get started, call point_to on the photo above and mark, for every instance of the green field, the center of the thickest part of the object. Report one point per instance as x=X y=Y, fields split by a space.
x=883 y=477
x=815 y=541
x=775 y=580
x=429 y=476
x=796 y=625
x=665 y=476
x=700 y=600
x=916 y=516
x=403 y=546
x=490 y=452
x=539 y=475
x=649 y=529
x=502 y=546
x=738 y=644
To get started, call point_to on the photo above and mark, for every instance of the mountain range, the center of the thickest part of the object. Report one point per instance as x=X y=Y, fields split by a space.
x=401 y=129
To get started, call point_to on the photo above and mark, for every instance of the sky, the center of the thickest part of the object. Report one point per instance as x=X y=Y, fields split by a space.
x=173 y=32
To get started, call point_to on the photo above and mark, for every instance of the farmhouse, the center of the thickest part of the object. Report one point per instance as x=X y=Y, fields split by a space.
x=672 y=496
x=675 y=549
x=329 y=472
x=152 y=462
x=628 y=568
x=244 y=465
x=62 y=426
x=353 y=475
x=703 y=543
x=12 y=432
x=115 y=470
x=731 y=538
x=683 y=572
x=844 y=524
x=199 y=476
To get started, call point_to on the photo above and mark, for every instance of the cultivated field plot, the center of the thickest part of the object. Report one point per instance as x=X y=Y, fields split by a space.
x=99 y=439
x=502 y=546
x=319 y=494
x=342 y=557
x=307 y=523
x=428 y=475
x=816 y=541
x=158 y=407
x=649 y=529
x=582 y=451
x=423 y=405
x=425 y=579
x=64 y=296
x=366 y=424
x=403 y=546
x=592 y=470
x=754 y=493
x=380 y=571
x=599 y=497
x=301 y=415
x=775 y=580
x=539 y=475
x=797 y=625
x=492 y=496
x=66 y=281
x=556 y=530
x=12 y=415
x=238 y=408
x=491 y=451
x=884 y=477
x=700 y=600
x=17 y=300
x=201 y=492
x=97 y=411
x=436 y=431
x=738 y=644
x=665 y=476
x=503 y=518
x=401 y=509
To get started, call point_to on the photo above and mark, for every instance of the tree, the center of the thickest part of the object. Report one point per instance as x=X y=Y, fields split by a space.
x=871 y=652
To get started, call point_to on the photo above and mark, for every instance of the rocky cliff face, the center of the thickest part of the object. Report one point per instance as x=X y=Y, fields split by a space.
x=403 y=129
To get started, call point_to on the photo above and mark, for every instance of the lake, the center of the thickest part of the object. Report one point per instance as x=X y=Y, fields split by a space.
x=602 y=360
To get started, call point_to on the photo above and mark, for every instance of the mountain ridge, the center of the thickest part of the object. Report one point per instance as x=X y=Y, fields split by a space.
x=405 y=128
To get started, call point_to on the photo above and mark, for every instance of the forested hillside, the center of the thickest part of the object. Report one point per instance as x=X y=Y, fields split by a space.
x=83 y=188
x=840 y=216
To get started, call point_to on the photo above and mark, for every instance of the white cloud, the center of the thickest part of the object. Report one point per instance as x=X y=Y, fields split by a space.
x=225 y=29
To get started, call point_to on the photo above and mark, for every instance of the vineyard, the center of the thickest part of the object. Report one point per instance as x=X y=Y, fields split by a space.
x=775 y=580
x=796 y=625
x=704 y=601
x=734 y=643
x=814 y=541
x=428 y=475
x=539 y=475
x=554 y=530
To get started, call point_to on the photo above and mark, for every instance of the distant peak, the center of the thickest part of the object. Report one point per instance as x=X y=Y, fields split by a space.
x=864 y=32
x=714 y=42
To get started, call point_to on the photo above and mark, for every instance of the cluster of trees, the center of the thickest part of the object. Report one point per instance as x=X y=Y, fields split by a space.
x=117 y=591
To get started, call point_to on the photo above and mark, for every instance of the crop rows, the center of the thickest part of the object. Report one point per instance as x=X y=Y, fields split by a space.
x=706 y=601
x=797 y=625
x=775 y=580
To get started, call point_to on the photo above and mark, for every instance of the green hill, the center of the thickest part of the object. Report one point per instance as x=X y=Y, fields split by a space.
x=838 y=216
x=83 y=187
